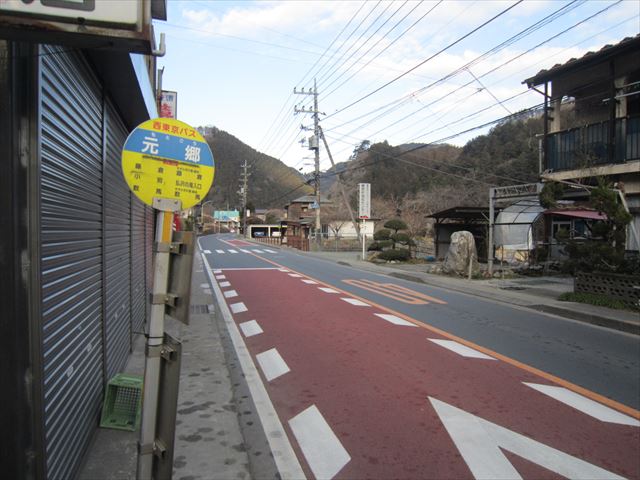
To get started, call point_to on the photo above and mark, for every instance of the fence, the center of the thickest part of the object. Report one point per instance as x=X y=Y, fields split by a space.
x=620 y=287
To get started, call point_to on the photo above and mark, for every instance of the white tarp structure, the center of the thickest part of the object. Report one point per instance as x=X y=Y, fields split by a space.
x=513 y=227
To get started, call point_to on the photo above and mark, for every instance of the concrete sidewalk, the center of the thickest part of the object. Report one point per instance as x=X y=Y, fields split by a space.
x=537 y=293
x=209 y=441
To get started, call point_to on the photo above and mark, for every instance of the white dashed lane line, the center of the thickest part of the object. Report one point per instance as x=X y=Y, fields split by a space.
x=238 y=307
x=295 y=275
x=207 y=251
x=230 y=294
x=460 y=349
x=321 y=447
x=220 y=277
x=584 y=404
x=232 y=251
x=272 y=364
x=395 y=320
x=217 y=271
x=250 y=328
x=328 y=290
x=257 y=251
x=224 y=284
x=220 y=251
x=355 y=302
x=310 y=282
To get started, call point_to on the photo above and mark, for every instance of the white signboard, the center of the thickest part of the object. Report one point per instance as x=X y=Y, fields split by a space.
x=111 y=12
x=364 y=201
x=169 y=104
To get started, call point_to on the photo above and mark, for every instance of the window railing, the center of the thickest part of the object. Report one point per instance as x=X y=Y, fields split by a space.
x=588 y=146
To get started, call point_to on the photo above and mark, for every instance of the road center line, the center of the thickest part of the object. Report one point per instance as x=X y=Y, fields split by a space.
x=321 y=447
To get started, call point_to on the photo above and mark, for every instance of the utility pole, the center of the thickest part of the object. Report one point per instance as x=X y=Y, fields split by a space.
x=243 y=191
x=314 y=144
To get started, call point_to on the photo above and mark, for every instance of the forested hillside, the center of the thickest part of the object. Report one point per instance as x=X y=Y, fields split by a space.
x=271 y=184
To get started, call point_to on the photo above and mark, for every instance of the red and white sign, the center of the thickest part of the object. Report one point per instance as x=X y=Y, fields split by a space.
x=169 y=104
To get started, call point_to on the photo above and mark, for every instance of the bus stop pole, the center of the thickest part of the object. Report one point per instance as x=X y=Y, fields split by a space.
x=154 y=343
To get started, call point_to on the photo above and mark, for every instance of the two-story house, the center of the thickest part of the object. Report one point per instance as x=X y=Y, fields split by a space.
x=600 y=137
x=300 y=217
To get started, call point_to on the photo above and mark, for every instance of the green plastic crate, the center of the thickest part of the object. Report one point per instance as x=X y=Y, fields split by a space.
x=122 y=403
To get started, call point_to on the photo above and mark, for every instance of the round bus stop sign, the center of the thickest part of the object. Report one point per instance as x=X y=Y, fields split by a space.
x=168 y=159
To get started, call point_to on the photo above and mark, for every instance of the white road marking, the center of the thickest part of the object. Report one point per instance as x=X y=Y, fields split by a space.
x=249 y=268
x=283 y=269
x=232 y=251
x=310 y=282
x=220 y=251
x=585 y=405
x=272 y=364
x=225 y=284
x=355 y=302
x=328 y=290
x=250 y=328
x=220 y=277
x=283 y=454
x=206 y=251
x=460 y=349
x=481 y=442
x=321 y=447
x=238 y=307
x=270 y=251
x=395 y=320
x=295 y=275
x=217 y=271
x=230 y=294
x=255 y=250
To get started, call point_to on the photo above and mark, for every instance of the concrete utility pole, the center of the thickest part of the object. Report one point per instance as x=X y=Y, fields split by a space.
x=243 y=191
x=314 y=144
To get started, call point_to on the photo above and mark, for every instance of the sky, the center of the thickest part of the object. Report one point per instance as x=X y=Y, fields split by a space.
x=400 y=71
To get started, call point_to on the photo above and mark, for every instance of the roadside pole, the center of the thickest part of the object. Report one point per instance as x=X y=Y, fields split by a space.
x=364 y=240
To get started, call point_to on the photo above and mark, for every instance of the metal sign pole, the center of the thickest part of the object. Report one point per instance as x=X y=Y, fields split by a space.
x=364 y=240
x=153 y=349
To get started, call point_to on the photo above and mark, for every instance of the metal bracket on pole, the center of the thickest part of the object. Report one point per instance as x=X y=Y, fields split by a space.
x=164 y=299
x=153 y=351
x=167 y=204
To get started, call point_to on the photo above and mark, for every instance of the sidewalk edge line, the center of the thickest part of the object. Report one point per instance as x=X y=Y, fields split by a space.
x=283 y=454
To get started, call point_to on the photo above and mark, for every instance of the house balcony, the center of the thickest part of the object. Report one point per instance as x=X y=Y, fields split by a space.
x=591 y=145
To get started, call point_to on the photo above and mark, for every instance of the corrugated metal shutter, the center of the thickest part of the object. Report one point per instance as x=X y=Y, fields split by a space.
x=71 y=243
x=117 y=251
x=138 y=265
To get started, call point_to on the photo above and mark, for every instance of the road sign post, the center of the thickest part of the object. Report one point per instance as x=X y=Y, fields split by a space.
x=364 y=211
x=169 y=166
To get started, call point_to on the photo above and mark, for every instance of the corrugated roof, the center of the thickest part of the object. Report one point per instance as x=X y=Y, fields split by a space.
x=628 y=43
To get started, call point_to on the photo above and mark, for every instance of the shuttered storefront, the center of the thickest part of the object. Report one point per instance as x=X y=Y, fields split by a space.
x=95 y=241
x=71 y=256
x=117 y=248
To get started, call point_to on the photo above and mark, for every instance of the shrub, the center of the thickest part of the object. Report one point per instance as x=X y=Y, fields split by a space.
x=402 y=238
x=381 y=245
x=383 y=234
x=396 y=224
x=399 y=254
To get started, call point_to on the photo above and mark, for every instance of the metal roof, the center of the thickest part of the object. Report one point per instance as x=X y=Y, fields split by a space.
x=589 y=58
x=462 y=213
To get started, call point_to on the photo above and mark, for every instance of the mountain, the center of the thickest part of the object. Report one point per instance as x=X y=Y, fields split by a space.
x=443 y=176
x=271 y=183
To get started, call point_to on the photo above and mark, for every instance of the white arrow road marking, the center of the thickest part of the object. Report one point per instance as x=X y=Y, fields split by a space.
x=238 y=307
x=328 y=290
x=480 y=442
x=395 y=320
x=460 y=349
x=220 y=251
x=322 y=449
x=250 y=328
x=585 y=405
x=355 y=302
x=230 y=294
x=272 y=364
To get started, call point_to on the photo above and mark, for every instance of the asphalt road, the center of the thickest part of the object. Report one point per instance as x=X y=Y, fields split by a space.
x=377 y=377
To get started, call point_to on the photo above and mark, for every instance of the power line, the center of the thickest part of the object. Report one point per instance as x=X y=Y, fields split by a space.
x=484 y=24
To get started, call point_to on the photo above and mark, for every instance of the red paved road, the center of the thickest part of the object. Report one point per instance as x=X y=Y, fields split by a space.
x=371 y=381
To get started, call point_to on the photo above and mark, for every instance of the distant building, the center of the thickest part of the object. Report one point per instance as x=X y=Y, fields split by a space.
x=300 y=221
x=604 y=138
